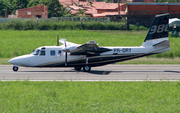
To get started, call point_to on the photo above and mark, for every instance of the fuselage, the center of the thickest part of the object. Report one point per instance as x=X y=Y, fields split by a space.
x=53 y=56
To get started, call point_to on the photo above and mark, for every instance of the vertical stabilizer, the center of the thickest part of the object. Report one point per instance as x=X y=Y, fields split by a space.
x=158 y=31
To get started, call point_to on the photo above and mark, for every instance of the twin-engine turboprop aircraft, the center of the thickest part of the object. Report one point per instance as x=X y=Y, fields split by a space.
x=91 y=55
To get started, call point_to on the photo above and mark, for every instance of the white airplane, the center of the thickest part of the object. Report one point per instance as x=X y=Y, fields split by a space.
x=91 y=55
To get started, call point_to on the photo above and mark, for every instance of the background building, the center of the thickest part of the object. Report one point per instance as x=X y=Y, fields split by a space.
x=40 y=11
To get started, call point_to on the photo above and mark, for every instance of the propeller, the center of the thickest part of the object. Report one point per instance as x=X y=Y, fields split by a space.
x=65 y=52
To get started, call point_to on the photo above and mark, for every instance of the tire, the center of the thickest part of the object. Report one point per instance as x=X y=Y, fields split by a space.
x=86 y=68
x=15 y=68
x=77 y=68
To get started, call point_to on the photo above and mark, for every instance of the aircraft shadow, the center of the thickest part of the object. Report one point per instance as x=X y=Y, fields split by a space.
x=100 y=72
x=70 y=71
x=172 y=71
x=46 y=71
x=96 y=72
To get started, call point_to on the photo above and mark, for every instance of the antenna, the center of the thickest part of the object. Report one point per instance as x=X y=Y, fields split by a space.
x=57 y=39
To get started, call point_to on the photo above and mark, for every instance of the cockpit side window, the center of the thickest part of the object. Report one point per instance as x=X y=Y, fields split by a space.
x=42 y=53
x=35 y=52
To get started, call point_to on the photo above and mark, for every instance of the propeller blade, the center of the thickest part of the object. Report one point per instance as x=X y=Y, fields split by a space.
x=65 y=42
x=66 y=52
x=66 y=59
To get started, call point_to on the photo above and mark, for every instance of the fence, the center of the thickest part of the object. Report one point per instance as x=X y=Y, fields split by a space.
x=57 y=19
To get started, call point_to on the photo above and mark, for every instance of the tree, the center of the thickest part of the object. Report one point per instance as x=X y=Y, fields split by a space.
x=54 y=7
x=2 y=7
x=33 y=3
x=5 y=7
x=19 y=4
x=65 y=12
x=81 y=12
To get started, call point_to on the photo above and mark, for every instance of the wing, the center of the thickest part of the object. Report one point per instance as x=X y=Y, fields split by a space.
x=89 y=49
x=63 y=41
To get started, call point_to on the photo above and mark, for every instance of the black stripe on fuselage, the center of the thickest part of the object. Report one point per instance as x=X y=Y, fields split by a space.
x=96 y=61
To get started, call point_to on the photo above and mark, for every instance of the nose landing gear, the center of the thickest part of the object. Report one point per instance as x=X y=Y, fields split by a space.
x=15 y=68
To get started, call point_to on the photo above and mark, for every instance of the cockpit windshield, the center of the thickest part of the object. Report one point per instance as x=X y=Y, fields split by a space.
x=35 y=52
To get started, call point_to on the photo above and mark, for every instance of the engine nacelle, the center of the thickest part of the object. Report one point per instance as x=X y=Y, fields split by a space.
x=69 y=49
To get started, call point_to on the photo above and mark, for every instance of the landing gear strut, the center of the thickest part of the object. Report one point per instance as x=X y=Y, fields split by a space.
x=86 y=67
x=15 y=68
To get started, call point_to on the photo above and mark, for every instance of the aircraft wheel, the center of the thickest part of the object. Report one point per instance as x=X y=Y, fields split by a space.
x=86 y=68
x=15 y=68
x=77 y=68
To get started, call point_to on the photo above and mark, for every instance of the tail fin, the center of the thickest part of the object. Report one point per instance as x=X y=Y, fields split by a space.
x=158 y=31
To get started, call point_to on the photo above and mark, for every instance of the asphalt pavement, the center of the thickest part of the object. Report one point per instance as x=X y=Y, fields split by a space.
x=103 y=73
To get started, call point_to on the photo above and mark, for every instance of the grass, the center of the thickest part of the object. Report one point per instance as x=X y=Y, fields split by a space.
x=26 y=96
x=4 y=61
x=15 y=43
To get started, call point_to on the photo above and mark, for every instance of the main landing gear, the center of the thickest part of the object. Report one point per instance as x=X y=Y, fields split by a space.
x=86 y=67
x=15 y=68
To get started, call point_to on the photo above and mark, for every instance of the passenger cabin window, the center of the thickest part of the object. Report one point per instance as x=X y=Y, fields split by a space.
x=42 y=53
x=35 y=52
x=52 y=53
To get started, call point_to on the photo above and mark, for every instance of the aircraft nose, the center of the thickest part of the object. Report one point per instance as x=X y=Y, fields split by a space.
x=14 y=61
x=21 y=60
x=10 y=61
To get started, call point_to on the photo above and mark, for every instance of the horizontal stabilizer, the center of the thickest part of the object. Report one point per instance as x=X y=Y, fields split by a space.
x=165 y=43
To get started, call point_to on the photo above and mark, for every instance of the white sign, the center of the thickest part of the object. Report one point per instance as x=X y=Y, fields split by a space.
x=28 y=13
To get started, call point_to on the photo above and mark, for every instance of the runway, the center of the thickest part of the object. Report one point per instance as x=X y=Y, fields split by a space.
x=103 y=73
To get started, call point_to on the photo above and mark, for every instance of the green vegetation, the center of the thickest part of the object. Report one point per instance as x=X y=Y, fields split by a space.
x=26 y=96
x=54 y=24
x=15 y=43
x=4 y=61
x=63 y=25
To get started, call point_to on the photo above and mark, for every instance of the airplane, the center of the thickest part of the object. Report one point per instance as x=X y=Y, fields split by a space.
x=91 y=55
